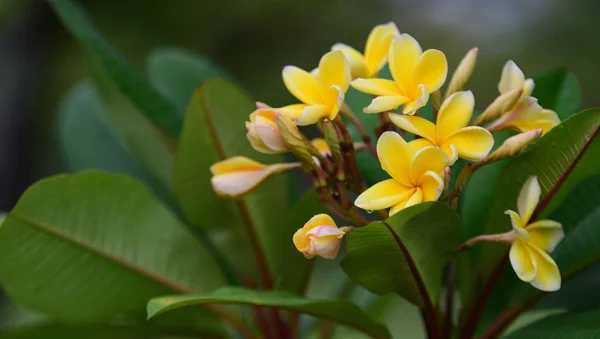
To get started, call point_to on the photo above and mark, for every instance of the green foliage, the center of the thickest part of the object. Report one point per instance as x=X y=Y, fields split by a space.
x=559 y=91
x=562 y=326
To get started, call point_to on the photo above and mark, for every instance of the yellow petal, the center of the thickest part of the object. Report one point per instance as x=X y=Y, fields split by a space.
x=395 y=155
x=528 y=199
x=545 y=234
x=321 y=145
x=236 y=184
x=455 y=113
x=528 y=87
x=420 y=143
x=404 y=55
x=385 y=103
x=472 y=143
x=301 y=242
x=319 y=220
x=292 y=111
x=382 y=195
x=376 y=87
x=516 y=221
x=235 y=164
x=431 y=70
x=425 y=160
x=358 y=66
x=415 y=125
x=378 y=46
x=512 y=77
x=550 y=115
x=548 y=276
x=301 y=84
x=335 y=98
x=522 y=261
x=311 y=114
x=415 y=197
x=411 y=107
x=451 y=153
x=334 y=70
x=432 y=186
x=325 y=241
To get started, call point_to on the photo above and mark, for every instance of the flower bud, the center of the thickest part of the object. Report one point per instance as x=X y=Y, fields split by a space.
x=502 y=104
x=514 y=145
x=527 y=115
x=294 y=140
x=263 y=132
x=463 y=72
x=237 y=176
x=513 y=78
x=320 y=236
x=321 y=146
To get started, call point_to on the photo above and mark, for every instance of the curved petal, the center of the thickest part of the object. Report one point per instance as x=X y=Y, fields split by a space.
x=425 y=160
x=529 y=197
x=522 y=261
x=235 y=164
x=377 y=87
x=431 y=70
x=472 y=143
x=416 y=197
x=385 y=103
x=515 y=220
x=358 y=66
x=550 y=115
x=334 y=70
x=403 y=58
x=395 y=155
x=301 y=242
x=451 y=152
x=455 y=113
x=269 y=132
x=292 y=111
x=383 y=195
x=545 y=234
x=378 y=46
x=236 y=184
x=335 y=98
x=432 y=186
x=326 y=247
x=420 y=143
x=548 y=275
x=256 y=142
x=415 y=125
x=301 y=84
x=411 y=107
x=528 y=87
x=319 y=220
x=311 y=114
x=512 y=77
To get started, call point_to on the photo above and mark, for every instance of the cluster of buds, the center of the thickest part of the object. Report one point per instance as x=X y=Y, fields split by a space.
x=419 y=169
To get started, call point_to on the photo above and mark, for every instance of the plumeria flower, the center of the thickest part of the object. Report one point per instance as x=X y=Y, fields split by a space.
x=237 y=176
x=416 y=75
x=526 y=116
x=416 y=175
x=376 y=51
x=513 y=78
x=450 y=133
x=321 y=93
x=533 y=241
x=320 y=236
x=263 y=132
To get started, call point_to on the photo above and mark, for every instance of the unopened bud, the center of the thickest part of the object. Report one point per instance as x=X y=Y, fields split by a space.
x=514 y=145
x=263 y=132
x=502 y=104
x=526 y=116
x=320 y=236
x=463 y=72
x=295 y=141
x=333 y=140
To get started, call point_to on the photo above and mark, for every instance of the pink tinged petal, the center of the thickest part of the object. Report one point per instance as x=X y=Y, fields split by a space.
x=382 y=195
x=522 y=261
x=335 y=99
x=404 y=55
x=431 y=70
x=512 y=77
x=472 y=143
x=545 y=234
x=269 y=133
x=413 y=106
x=378 y=87
x=325 y=230
x=425 y=160
x=292 y=111
x=385 y=103
x=235 y=164
x=236 y=184
x=432 y=186
x=395 y=155
x=528 y=87
x=529 y=198
x=256 y=141
x=548 y=275
x=455 y=113
x=358 y=65
x=301 y=84
x=312 y=114
x=319 y=220
x=326 y=247
x=415 y=125
x=378 y=46
x=334 y=70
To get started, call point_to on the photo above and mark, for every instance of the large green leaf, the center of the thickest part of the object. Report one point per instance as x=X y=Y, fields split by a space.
x=93 y=245
x=214 y=130
x=562 y=326
x=340 y=311
x=384 y=258
x=126 y=79
x=558 y=90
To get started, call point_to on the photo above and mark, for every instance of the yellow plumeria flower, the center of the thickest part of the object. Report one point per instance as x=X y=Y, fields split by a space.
x=513 y=78
x=320 y=236
x=321 y=92
x=527 y=116
x=263 y=132
x=416 y=75
x=533 y=241
x=416 y=175
x=450 y=132
x=376 y=51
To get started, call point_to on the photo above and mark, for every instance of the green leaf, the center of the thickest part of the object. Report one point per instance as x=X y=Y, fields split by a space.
x=340 y=311
x=562 y=326
x=559 y=91
x=126 y=79
x=425 y=236
x=213 y=131
x=177 y=72
x=92 y=245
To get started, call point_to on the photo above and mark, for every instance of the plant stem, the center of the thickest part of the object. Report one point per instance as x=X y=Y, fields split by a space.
x=385 y=124
x=347 y=148
x=348 y=113
x=507 y=317
x=449 y=299
x=507 y=238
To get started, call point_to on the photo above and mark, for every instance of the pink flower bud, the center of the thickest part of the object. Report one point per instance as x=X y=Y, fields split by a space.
x=263 y=132
x=320 y=236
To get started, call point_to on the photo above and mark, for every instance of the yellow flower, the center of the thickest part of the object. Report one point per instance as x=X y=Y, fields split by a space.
x=513 y=78
x=319 y=236
x=237 y=176
x=263 y=132
x=533 y=241
x=321 y=146
x=416 y=175
x=416 y=75
x=321 y=92
x=526 y=116
x=450 y=133
x=376 y=51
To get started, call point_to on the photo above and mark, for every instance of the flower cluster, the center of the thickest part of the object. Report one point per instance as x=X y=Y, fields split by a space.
x=416 y=151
